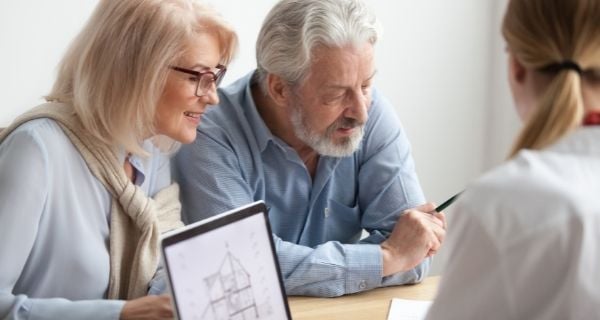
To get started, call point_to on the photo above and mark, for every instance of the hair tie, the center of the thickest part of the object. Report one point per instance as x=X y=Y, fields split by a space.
x=566 y=64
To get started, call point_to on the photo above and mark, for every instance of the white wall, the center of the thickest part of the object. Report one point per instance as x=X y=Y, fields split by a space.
x=502 y=120
x=440 y=62
x=33 y=37
x=433 y=61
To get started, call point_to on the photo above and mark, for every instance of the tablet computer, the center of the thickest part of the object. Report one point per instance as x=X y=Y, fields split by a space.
x=225 y=267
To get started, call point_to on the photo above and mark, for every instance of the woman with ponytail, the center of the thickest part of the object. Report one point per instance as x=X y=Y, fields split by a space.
x=524 y=240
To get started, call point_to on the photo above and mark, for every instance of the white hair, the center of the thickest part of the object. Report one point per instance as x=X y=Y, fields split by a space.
x=294 y=28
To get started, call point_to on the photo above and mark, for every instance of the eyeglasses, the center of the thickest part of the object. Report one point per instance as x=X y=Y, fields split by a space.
x=204 y=79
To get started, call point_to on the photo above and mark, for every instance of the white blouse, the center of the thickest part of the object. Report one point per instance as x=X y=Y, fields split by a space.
x=524 y=241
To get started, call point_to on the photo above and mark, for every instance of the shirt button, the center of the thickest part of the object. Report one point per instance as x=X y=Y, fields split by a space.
x=326 y=212
x=362 y=285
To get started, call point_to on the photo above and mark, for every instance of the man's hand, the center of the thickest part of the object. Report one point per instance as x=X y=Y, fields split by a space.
x=417 y=235
x=148 y=307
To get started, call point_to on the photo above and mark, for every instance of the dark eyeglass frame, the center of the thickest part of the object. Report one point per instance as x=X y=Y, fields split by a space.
x=216 y=77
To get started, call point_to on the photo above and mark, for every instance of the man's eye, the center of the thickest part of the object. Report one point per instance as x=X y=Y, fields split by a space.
x=334 y=99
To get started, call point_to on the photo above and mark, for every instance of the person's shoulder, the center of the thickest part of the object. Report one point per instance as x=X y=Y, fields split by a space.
x=229 y=113
x=39 y=142
x=234 y=117
x=42 y=131
x=531 y=171
x=522 y=192
x=527 y=174
x=237 y=87
x=381 y=110
x=383 y=122
x=232 y=98
x=379 y=102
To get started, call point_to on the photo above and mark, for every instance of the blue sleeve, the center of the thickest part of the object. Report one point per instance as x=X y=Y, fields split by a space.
x=388 y=169
x=329 y=270
x=23 y=192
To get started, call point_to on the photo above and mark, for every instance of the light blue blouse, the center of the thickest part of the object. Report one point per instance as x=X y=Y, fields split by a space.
x=54 y=225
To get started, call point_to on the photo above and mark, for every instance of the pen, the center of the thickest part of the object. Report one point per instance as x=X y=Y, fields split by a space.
x=446 y=203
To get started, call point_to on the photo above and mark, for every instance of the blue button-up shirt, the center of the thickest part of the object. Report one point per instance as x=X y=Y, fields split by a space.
x=317 y=223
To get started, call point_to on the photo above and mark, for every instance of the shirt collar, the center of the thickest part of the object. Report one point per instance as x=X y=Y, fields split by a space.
x=139 y=164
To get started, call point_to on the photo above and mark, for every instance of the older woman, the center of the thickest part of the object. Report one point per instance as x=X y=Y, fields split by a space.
x=86 y=188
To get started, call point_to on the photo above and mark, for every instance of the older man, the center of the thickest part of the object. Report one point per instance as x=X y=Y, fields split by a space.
x=308 y=133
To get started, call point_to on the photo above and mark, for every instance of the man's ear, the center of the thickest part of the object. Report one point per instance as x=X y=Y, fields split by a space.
x=279 y=90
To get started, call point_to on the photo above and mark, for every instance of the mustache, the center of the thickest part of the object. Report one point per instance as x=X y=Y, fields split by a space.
x=348 y=123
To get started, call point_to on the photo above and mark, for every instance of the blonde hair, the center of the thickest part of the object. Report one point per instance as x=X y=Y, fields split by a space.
x=544 y=32
x=115 y=70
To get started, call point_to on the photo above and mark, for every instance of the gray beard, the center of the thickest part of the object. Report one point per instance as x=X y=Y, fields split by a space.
x=323 y=144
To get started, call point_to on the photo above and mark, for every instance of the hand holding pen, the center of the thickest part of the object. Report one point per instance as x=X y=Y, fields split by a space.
x=418 y=233
x=438 y=212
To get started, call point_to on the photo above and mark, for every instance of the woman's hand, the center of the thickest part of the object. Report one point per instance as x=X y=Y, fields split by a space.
x=148 y=307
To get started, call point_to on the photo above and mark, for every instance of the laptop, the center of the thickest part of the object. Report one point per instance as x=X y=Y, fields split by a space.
x=225 y=267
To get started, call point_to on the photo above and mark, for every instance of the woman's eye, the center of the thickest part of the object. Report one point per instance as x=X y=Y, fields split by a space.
x=193 y=79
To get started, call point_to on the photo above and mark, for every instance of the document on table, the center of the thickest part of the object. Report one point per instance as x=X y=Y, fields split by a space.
x=403 y=309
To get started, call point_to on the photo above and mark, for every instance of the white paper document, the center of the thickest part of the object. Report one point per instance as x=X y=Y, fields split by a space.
x=403 y=309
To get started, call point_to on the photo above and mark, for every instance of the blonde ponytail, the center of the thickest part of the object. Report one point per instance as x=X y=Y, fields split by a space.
x=560 y=38
x=559 y=111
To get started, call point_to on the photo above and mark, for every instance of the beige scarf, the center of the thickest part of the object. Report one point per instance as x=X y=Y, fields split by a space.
x=136 y=220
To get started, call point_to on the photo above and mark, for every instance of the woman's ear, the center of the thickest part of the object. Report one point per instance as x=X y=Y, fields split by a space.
x=278 y=89
x=521 y=86
x=518 y=73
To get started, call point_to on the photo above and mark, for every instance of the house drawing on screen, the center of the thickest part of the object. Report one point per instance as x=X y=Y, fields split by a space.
x=230 y=291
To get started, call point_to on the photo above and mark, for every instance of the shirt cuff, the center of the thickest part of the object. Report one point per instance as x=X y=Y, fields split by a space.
x=58 y=308
x=116 y=306
x=364 y=263
x=415 y=275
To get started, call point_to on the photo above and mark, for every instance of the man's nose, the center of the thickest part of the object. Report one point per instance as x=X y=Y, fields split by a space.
x=357 y=108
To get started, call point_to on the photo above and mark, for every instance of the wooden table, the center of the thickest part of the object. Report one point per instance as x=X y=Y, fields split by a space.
x=371 y=305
